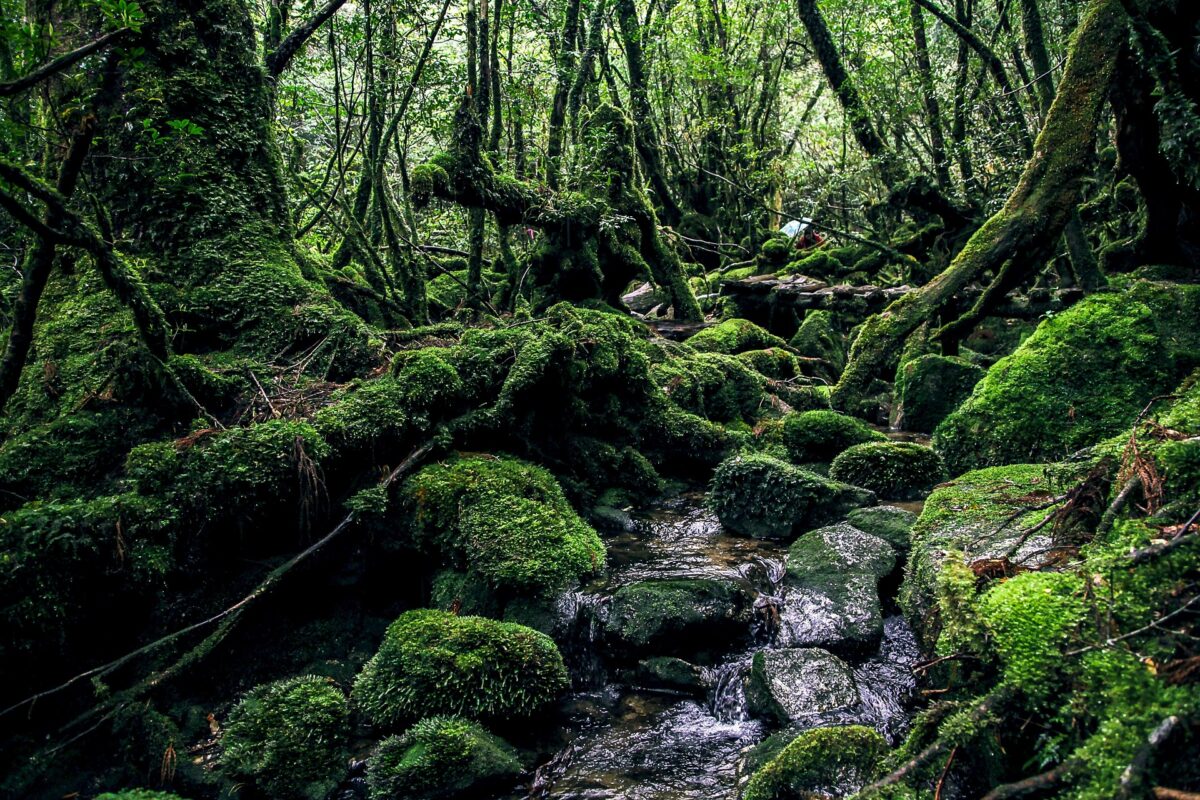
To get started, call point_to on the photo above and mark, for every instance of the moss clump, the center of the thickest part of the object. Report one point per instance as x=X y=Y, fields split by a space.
x=504 y=520
x=289 y=738
x=734 y=336
x=433 y=662
x=774 y=363
x=1030 y=619
x=775 y=251
x=820 y=435
x=895 y=470
x=820 y=762
x=440 y=758
x=930 y=387
x=761 y=496
x=138 y=794
x=818 y=337
x=1082 y=376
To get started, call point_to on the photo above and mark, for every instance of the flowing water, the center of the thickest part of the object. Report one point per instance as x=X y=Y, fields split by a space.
x=617 y=740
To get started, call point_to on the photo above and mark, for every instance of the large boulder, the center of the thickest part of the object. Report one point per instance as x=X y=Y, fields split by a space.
x=763 y=497
x=893 y=470
x=822 y=762
x=799 y=683
x=831 y=596
x=1083 y=375
x=929 y=388
x=678 y=616
x=975 y=518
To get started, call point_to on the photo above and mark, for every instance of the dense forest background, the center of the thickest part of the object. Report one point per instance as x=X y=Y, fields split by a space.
x=329 y=324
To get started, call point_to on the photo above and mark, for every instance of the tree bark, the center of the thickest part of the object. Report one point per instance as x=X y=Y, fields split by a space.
x=1034 y=215
x=933 y=111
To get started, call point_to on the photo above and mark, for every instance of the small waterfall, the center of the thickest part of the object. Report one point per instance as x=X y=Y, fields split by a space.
x=728 y=680
x=578 y=626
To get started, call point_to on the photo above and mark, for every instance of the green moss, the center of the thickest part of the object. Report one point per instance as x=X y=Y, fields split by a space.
x=818 y=762
x=715 y=386
x=1082 y=376
x=889 y=523
x=1031 y=620
x=138 y=794
x=821 y=435
x=504 y=520
x=775 y=251
x=761 y=496
x=894 y=470
x=774 y=363
x=818 y=337
x=677 y=615
x=929 y=388
x=440 y=758
x=289 y=737
x=733 y=336
x=432 y=662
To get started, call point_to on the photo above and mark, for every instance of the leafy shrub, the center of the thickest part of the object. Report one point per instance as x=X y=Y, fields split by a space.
x=440 y=757
x=289 y=737
x=433 y=662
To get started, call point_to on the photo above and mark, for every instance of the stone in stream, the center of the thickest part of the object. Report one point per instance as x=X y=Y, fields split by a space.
x=890 y=523
x=793 y=684
x=678 y=616
x=766 y=498
x=822 y=762
x=669 y=673
x=832 y=589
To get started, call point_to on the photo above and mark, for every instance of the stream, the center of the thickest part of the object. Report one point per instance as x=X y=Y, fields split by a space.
x=620 y=740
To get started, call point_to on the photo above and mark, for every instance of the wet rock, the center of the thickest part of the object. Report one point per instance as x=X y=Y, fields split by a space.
x=644 y=298
x=678 y=616
x=832 y=589
x=792 y=684
x=670 y=673
x=766 y=498
x=890 y=523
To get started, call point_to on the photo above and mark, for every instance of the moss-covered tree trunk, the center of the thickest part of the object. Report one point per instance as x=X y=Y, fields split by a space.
x=1033 y=217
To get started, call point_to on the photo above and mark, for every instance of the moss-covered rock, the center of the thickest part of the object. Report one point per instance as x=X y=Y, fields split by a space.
x=138 y=794
x=799 y=683
x=678 y=616
x=820 y=435
x=763 y=497
x=433 y=662
x=290 y=738
x=963 y=521
x=818 y=337
x=669 y=673
x=775 y=363
x=889 y=523
x=893 y=470
x=440 y=758
x=504 y=520
x=1082 y=376
x=775 y=251
x=715 y=386
x=929 y=388
x=734 y=336
x=820 y=762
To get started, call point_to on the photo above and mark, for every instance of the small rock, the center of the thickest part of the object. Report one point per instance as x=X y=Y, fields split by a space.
x=788 y=685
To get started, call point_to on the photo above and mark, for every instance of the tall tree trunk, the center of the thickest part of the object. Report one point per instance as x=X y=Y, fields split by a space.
x=933 y=111
x=1031 y=220
x=562 y=90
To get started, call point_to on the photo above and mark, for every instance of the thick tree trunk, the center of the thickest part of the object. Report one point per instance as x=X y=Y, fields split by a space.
x=1033 y=217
